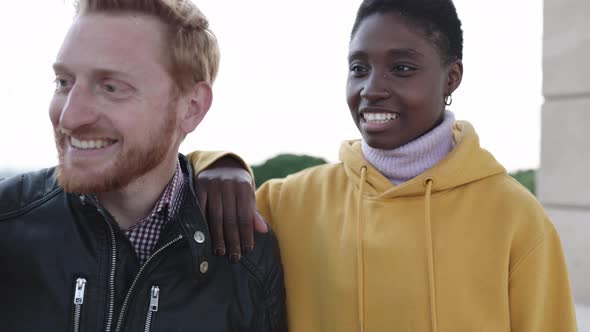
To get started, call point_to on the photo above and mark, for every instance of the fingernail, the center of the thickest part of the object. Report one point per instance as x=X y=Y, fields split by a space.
x=248 y=250
x=234 y=258
x=219 y=252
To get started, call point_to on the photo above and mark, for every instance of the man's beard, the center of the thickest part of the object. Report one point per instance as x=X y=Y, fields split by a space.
x=126 y=166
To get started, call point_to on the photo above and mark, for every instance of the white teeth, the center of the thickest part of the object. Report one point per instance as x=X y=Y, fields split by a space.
x=379 y=117
x=90 y=144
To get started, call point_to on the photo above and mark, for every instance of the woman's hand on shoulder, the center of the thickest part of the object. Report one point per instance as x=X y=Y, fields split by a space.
x=227 y=199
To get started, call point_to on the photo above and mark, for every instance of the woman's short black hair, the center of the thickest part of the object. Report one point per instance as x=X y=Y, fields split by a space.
x=437 y=18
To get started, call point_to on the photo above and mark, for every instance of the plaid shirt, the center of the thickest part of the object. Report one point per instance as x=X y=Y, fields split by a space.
x=145 y=234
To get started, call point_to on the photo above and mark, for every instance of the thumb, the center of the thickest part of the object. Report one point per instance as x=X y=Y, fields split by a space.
x=259 y=224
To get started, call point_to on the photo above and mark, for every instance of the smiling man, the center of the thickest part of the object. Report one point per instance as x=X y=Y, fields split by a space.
x=108 y=239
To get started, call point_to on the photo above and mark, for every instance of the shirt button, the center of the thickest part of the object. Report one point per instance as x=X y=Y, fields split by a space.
x=199 y=237
x=204 y=267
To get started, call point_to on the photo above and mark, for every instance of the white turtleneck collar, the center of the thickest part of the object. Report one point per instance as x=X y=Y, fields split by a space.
x=412 y=159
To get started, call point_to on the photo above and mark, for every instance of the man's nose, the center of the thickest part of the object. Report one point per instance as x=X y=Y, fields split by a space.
x=376 y=87
x=78 y=110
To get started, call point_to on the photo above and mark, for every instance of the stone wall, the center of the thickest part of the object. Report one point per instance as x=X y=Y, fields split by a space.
x=564 y=177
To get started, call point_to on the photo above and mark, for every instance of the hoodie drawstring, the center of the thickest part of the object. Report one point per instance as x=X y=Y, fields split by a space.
x=360 y=254
x=360 y=231
x=430 y=252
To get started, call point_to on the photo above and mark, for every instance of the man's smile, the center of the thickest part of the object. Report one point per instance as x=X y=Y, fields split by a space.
x=90 y=144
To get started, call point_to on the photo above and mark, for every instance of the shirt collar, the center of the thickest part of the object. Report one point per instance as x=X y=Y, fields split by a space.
x=169 y=202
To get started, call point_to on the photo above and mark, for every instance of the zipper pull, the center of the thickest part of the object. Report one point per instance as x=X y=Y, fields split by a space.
x=154 y=298
x=80 y=289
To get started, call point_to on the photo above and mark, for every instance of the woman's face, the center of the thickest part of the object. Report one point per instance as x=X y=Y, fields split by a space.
x=397 y=81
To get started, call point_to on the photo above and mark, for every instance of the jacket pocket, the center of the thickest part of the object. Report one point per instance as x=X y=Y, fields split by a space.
x=79 y=291
x=153 y=308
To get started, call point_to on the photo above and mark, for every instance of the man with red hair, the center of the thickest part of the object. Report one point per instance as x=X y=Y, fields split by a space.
x=108 y=240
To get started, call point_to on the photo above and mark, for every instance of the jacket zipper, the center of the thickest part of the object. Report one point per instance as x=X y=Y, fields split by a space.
x=112 y=274
x=154 y=302
x=111 y=308
x=79 y=291
x=134 y=284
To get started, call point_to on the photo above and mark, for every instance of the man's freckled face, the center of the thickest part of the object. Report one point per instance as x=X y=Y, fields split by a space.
x=113 y=110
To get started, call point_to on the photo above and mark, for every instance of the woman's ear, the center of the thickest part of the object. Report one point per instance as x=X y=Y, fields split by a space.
x=198 y=104
x=455 y=75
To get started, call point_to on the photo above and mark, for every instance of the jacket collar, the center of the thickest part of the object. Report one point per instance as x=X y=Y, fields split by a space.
x=189 y=223
x=194 y=227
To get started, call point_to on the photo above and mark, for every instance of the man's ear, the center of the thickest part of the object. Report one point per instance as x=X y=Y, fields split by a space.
x=199 y=100
x=455 y=76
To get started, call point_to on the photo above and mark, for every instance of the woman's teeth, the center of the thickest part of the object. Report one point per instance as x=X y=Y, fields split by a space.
x=379 y=117
x=90 y=144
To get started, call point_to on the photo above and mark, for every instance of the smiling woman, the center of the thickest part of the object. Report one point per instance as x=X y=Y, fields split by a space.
x=398 y=82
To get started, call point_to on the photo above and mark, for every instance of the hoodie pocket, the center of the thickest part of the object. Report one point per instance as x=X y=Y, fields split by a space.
x=79 y=292
x=153 y=308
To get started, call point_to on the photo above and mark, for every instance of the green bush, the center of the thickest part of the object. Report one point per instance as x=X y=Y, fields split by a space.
x=283 y=165
x=527 y=178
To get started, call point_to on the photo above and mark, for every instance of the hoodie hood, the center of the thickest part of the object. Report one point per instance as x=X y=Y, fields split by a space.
x=466 y=163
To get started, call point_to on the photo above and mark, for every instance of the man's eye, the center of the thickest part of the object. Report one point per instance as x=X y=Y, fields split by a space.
x=61 y=84
x=114 y=88
x=110 y=88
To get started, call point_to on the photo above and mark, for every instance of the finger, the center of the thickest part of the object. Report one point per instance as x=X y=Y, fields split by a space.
x=260 y=224
x=245 y=212
x=215 y=220
x=202 y=197
x=230 y=224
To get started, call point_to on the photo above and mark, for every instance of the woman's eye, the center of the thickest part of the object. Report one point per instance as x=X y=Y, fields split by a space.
x=403 y=68
x=357 y=69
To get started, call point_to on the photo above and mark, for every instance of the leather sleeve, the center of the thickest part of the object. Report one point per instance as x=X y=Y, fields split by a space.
x=21 y=193
x=276 y=295
x=266 y=260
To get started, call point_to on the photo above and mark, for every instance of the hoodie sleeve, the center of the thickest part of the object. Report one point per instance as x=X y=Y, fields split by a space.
x=540 y=295
x=267 y=200
x=202 y=160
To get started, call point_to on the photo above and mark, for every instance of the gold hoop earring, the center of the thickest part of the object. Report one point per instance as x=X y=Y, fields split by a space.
x=448 y=100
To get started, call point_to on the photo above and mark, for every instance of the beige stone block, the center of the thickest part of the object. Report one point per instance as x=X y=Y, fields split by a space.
x=573 y=227
x=566 y=48
x=564 y=176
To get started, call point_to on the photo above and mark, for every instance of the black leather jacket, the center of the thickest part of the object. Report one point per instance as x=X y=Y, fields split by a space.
x=66 y=266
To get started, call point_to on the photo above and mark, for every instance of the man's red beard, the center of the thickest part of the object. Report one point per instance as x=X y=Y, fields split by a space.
x=126 y=166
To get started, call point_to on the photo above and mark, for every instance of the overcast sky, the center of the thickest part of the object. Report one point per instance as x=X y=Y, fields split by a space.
x=282 y=78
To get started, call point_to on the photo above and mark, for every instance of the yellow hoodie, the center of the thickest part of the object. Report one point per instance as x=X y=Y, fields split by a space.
x=461 y=247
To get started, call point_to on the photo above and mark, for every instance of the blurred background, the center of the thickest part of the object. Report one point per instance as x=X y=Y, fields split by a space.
x=279 y=97
x=282 y=78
